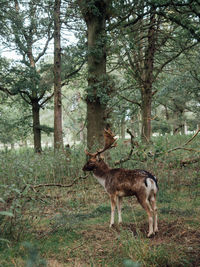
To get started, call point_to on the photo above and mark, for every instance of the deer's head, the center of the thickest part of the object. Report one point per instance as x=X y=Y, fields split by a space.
x=95 y=159
x=92 y=162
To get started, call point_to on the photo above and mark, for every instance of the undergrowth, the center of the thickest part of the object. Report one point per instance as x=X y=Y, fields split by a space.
x=55 y=226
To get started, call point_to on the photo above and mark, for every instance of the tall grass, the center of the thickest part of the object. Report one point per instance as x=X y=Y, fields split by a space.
x=25 y=166
x=74 y=221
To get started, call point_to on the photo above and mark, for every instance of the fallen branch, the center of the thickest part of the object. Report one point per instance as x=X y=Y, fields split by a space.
x=184 y=148
x=9 y=201
x=59 y=185
x=189 y=161
x=192 y=137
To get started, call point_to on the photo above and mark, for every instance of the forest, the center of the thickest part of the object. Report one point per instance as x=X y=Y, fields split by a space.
x=70 y=71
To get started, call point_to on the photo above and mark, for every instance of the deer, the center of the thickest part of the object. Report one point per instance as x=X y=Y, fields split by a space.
x=120 y=182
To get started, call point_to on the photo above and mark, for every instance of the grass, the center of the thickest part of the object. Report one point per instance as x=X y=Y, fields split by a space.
x=70 y=226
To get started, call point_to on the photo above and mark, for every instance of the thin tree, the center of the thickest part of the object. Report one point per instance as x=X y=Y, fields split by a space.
x=26 y=27
x=58 y=138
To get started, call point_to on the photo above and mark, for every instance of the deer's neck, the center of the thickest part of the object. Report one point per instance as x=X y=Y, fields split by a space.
x=100 y=173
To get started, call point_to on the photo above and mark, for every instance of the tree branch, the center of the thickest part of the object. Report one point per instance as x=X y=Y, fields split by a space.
x=57 y=185
x=5 y=90
x=198 y=130
x=189 y=161
x=47 y=99
x=132 y=101
x=73 y=73
x=172 y=58
x=133 y=144
x=45 y=48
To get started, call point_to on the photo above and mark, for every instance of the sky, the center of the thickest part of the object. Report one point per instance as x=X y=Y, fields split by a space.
x=11 y=53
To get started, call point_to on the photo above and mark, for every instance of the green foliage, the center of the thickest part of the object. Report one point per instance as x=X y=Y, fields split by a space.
x=161 y=127
x=71 y=223
x=67 y=223
x=14 y=122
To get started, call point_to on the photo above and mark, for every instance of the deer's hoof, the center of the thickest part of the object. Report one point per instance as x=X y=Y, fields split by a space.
x=156 y=231
x=150 y=234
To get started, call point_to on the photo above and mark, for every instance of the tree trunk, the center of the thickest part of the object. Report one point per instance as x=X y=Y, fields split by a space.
x=96 y=37
x=146 y=90
x=146 y=115
x=36 y=127
x=123 y=128
x=95 y=125
x=58 y=137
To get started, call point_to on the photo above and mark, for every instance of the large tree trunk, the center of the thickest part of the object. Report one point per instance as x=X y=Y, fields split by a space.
x=58 y=137
x=96 y=104
x=36 y=127
x=95 y=125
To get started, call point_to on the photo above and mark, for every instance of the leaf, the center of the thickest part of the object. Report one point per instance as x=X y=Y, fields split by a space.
x=7 y=213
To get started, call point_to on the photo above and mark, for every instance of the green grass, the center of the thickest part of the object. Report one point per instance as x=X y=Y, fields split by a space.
x=70 y=226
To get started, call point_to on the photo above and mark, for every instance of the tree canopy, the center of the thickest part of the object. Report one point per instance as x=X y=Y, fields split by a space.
x=123 y=63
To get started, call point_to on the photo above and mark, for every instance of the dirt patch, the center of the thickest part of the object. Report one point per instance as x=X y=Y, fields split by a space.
x=101 y=243
x=176 y=232
x=54 y=263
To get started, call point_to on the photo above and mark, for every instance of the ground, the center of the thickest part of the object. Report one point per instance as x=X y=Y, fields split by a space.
x=55 y=226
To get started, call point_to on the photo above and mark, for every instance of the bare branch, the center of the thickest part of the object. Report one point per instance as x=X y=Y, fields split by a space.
x=21 y=94
x=72 y=73
x=133 y=144
x=59 y=185
x=132 y=101
x=180 y=147
x=192 y=137
x=189 y=161
x=47 y=99
x=184 y=148
x=50 y=37
x=173 y=58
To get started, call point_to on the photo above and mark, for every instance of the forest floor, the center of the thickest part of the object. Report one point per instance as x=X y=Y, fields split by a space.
x=72 y=229
x=70 y=226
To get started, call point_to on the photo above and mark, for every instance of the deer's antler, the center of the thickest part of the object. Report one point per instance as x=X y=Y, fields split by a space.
x=109 y=142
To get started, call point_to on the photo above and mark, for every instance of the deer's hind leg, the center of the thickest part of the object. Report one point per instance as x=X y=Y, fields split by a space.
x=144 y=201
x=154 y=208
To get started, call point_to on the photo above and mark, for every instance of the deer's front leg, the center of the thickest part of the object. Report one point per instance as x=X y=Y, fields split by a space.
x=119 y=202
x=113 y=199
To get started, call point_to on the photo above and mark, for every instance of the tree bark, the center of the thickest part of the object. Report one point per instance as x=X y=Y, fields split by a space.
x=95 y=18
x=147 y=80
x=36 y=127
x=146 y=115
x=58 y=137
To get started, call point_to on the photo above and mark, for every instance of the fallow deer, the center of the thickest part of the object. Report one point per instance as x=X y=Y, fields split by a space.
x=120 y=183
